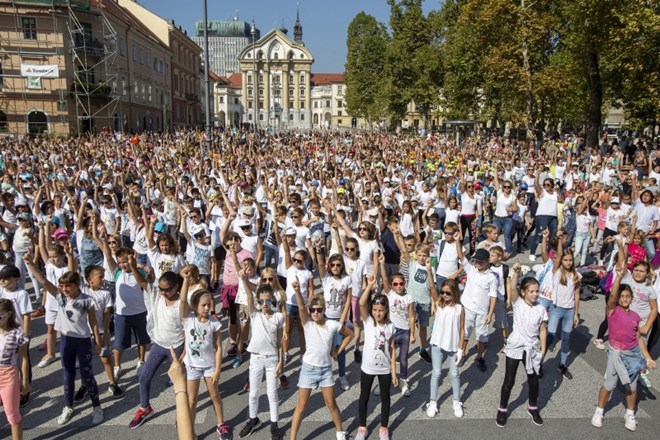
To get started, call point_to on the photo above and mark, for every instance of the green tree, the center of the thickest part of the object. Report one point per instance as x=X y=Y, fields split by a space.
x=367 y=41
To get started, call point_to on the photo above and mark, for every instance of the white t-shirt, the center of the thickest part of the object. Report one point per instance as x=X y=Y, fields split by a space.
x=367 y=249
x=304 y=277
x=264 y=333
x=399 y=309
x=72 y=317
x=200 y=255
x=526 y=323
x=334 y=292
x=583 y=223
x=376 y=357
x=355 y=269
x=547 y=205
x=21 y=301
x=564 y=295
x=448 y=261
x=163 y=262
x=614 y=217
x=129 y=298
x=418 y=284
x=102 y=300
x=319 y=342
x=468 y=204
x=241 y=294
x=53 y=274
x=479 y=288
x=200 y=341
x=447 y=328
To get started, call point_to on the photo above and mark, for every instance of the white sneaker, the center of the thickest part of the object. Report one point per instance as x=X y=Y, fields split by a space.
x=97 y=415
x=597 y=420
x=645 y=381
x=532 y=257
x=405 y=387
x=342 y=435
x=600 y=344
x=67 y=413
x=343 y=383
x=140 y=364
x=117 y=372
x=432 y=409
x=630 y=422
x=458 y=409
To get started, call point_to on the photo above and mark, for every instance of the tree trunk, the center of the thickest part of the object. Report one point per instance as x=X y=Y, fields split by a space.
x=595 y=116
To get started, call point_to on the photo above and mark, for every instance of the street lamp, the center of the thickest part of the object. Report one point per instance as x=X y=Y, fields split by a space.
x=207 y=91
x=253 y=32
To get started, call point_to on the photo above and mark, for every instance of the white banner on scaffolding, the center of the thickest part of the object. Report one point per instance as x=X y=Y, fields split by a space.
x=41 y=71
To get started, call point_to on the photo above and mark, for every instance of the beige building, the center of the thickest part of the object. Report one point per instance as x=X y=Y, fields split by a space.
x=74 y=66
x=185 y=70
x=328 y=105
x=228 y=102
x=276 y=85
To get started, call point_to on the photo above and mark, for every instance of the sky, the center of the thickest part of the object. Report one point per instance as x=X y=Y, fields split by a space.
x=324 y=22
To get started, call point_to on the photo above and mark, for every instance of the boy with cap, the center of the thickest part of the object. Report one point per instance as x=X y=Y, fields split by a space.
x=478 y=299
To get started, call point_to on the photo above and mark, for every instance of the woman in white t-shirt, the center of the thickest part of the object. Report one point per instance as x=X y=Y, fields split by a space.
x=379 y=360
x=316 y=371
x=367 y=237
x=546 y=213
x=584 y=233
x=337 y=288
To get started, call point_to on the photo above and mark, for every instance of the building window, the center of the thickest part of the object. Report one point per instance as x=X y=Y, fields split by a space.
x=236 y=101
x=141 y=56
x=290 y=79
x=339 y=121
x=340 y=103
x=316 y=104
x=249 y=79
x=340 y=90
x=276 y=79
x=277 y=92
x=250 y=104
x=29 y=28
x=291 y=117
x=249 y=117
x=37 y=122
x=249 y=92
x=302 y=115
x=4 y=126
x=261 y=79
x=327 y=103
x=276 y=55
x=302 y=104
x=2 y=76
x=290 y=92
x=261 y=104
x=134 y=52
x=113 y=44
x=149 y=92
x=34 y=82
x=339 y=113
x=136 y=89
x=261 y=92
x=123 y=86
x=302 y=91
x=261 y=117
x=302 y=78
x=122 y=47
x=176 y=83
x=221 y=99
x=290 y=104
x=86 y=75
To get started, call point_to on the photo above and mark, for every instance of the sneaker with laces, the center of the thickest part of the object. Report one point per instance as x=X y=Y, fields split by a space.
x=342 y=435
x=597 y=419
x=534 y=413
x=458 y=409
x=67 y=413
x=630 y=422
x=46 y=361
x=224 y=431
x=432 y=409
x=361 y=433
x=405 y=387
x=41 y=311
x=275 y=433
x=645 y=381
x=426 y=357
x=563 y=369
x=115 y=391
x=502 y=415
x=141 y=415
x=383 y=433
x=232 y=349
x=532 y=258
x=343 y=383
x=236 y=362
x=117 y=372
x=249 y=427
x=81 y=394
x=599 y=344
x=358 y=356
x=284 y=382
x=97 y=415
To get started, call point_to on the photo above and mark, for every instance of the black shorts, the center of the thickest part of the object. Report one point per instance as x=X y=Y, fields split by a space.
x=219 y=253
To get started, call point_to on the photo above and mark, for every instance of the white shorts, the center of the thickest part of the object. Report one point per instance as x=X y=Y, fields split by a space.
x=500 y=314
x=195 y=373
x=477 y=322
x=51 y=317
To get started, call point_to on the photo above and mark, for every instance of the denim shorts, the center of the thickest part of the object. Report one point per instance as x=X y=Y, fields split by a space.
x=312 y=377
x=193 y=373
x=423 y=313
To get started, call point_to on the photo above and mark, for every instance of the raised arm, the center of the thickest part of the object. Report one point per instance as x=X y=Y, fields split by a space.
x=366 y=294
x=184 y=307
x=302 y=307
x=513 y=284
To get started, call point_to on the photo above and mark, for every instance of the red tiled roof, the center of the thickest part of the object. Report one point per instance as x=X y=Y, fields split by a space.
x=327 y=78
x=236 y=80
x=213 y=76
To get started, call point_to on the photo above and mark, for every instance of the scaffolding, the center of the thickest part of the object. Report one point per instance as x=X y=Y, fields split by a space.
x=93 y=51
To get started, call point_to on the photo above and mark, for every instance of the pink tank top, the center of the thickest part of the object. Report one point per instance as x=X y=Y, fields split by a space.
x=623 y=328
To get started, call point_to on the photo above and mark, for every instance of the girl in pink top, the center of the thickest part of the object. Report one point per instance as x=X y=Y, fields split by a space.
x=626 y=349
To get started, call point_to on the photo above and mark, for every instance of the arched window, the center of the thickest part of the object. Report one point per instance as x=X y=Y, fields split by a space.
x=37 y=122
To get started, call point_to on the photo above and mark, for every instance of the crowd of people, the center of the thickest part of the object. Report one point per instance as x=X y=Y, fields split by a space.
x=362 y=242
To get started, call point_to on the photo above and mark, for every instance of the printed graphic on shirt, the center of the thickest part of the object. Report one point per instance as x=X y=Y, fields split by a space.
x=380 y=360
x=198 y=336
x=421 y=275
x=399 y=308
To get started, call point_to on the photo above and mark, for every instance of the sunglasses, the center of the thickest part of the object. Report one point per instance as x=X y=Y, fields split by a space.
x=269 y=279
x=316 y=309
x=398 y=284
x=261 y=302
x=547 y=184
x=298 y=260
x=246 y=227
x=507 y=186
x=350 y=249
x=295 y=216
x=165 y=289
x=194 y=217
x=470 y=186
x=447 y=292
x=362 y=228
x=112 y=242
x=336 y=265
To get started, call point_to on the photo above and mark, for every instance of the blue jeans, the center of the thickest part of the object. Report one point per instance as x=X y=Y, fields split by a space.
x=270 y=256
x=542 y=222
x=566 y=316
x=157 y=355
x=438 y=356
x=582 y=241
x=505 y=225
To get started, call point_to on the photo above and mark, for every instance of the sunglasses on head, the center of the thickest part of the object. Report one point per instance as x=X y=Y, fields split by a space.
x=261 y=302
x=380 y=301
x=316 y=309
